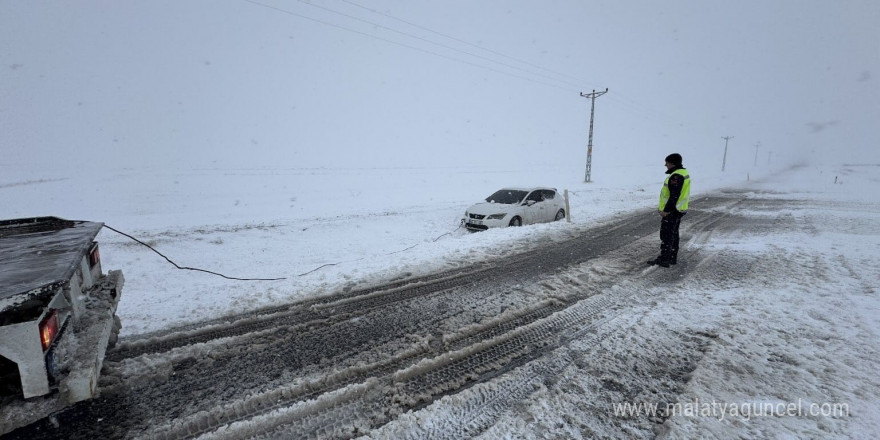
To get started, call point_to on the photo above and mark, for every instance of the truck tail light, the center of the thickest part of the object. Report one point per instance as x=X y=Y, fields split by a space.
x=49 y=330
x=94 y=255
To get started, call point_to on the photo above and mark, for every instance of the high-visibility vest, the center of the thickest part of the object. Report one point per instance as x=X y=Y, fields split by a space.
x=682 y=204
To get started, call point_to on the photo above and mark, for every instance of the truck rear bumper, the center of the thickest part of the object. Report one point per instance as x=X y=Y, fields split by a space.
x=93 y=333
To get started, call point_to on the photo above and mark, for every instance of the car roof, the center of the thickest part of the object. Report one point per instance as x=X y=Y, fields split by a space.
x=527 y=189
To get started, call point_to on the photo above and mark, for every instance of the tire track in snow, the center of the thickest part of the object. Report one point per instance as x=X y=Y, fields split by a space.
x=476 y=336
x=304 y=312
x=336 y=414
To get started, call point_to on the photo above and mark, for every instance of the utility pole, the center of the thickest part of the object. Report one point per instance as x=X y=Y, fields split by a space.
x=592 y=97
x=758 y=145
x=724 y=160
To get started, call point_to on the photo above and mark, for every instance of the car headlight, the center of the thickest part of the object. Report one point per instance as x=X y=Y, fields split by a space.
x=496 y=217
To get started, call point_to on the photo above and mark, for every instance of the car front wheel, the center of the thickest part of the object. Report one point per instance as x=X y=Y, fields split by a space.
x=516 y=221
x=560 y=215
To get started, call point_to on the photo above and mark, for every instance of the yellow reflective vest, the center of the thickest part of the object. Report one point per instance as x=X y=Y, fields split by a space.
x=683 y=198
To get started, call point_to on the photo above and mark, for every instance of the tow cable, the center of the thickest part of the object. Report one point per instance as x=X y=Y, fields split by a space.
x=252 y=279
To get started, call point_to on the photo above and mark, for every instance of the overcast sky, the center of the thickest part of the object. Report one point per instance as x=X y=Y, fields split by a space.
x=274 y=83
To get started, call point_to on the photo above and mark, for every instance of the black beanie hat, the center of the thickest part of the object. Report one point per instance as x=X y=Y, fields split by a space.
x=674 y=159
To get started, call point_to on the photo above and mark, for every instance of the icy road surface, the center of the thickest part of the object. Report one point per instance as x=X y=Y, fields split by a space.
x=773 y=301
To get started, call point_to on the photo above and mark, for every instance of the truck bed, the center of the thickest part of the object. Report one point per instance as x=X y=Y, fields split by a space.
x=37 y=254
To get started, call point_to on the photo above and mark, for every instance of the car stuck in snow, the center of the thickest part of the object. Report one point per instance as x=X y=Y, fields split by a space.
x=515 y=207
x=57 y=316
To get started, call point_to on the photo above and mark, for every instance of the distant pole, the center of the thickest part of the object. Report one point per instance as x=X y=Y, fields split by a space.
x=724 y=160
x=758 y=145
x=769 y=155
x=592 y=97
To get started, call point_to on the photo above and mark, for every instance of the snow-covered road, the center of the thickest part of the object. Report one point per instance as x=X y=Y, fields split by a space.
x=772 y=307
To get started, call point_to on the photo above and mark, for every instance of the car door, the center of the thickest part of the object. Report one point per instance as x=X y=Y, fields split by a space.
x=550 y=205
x=532 y=207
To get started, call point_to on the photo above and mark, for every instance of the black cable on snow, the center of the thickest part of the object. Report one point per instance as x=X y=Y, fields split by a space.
x=248 y=279
x=190 y=268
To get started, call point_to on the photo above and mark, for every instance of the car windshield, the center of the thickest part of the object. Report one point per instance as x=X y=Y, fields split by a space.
x=507 y=196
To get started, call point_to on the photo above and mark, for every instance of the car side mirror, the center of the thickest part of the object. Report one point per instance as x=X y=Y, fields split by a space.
x=529 y=202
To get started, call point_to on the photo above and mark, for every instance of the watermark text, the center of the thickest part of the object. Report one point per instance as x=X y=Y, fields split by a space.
x=722 y=410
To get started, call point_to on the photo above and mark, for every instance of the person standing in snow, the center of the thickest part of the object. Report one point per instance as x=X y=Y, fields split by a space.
x=674 y=197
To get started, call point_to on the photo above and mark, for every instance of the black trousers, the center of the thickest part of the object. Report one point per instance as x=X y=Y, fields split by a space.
x=669 y=237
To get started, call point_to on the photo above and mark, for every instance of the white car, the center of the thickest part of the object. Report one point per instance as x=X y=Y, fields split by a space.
x=515 y=207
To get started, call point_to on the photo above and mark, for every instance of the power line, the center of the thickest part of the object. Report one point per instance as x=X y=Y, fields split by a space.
x=406 y=34
x=405 y=45
x=628 y=104
x=460 y=40
x=617 y=97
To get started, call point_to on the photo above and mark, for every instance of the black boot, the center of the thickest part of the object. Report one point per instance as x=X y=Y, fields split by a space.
x=658 y=262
